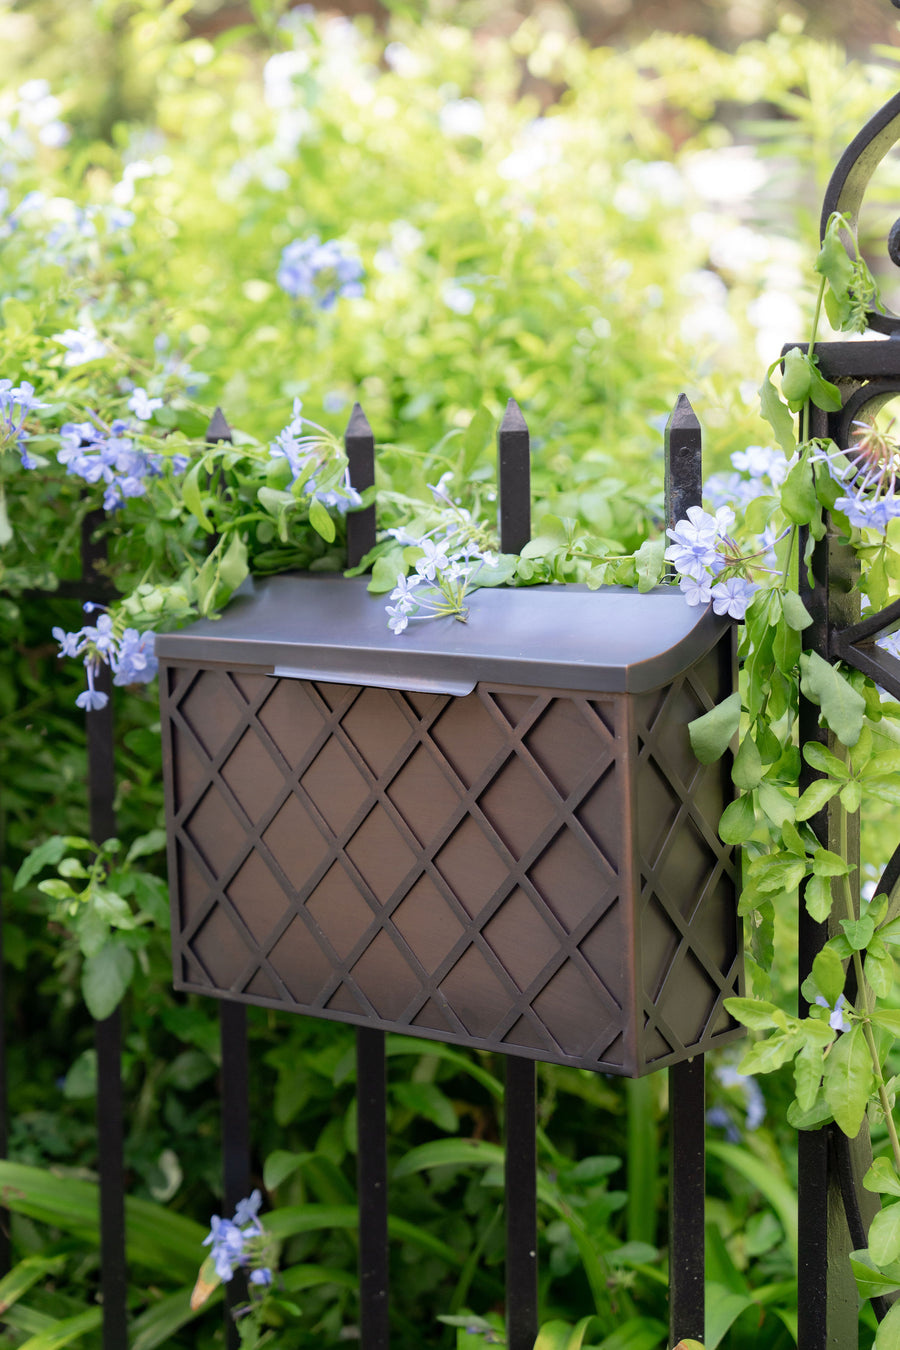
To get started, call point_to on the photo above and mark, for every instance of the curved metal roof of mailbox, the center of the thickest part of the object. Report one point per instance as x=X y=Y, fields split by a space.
x=329 y=628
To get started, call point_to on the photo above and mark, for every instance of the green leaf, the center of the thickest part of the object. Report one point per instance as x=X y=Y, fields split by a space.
x=650 y=563
x=858 y=932
x=27 y=1273
x=160 y=1323
x=821 y=758
x=281 y=1164
x=105 y=979
x=738 y=821
x=869 y=1281
x=754 y=1013
x=808 y=1074
x=817 y=795
x=828 y=974
x=776 y=804
x=828 y=864
x=712 y=733
x=776 y=414
x=848 y=1083
x=796 y=378
x=792 y=841
x=385 y=571
x=154 y=841
x=884 y=1236
x=748 y=766
x=561 y=1336
x=798 y=494
x=65 y=1331
x=637 y=1333
x=233 y=568
x=882 y=1178
x=879 y=969
x=321 y=521
x=818 y=898
x=192 y=497
x=795 y=612
x=47 y=854
x=786 y=648
x=842 y=707
x=824 y=395
x=833 y=262
x=426 y=1099
x=723 y=1307
x=851 y=797
x=889 y=1018
x=887 y=1336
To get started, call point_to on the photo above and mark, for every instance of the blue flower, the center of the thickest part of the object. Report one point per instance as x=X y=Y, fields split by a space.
x=239 y=1243
x=733 y=596
x=837 y=1021
x=324 y=273
x=135 y=662
x=81 y=345
x=248 y=1209
x=142 y=405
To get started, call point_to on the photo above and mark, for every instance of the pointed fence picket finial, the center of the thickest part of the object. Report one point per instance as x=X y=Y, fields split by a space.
x=514 y=480
x=359 y=444
x=684 y=466
x=218 y=429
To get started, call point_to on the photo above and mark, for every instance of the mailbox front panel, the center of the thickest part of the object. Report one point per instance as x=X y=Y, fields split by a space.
x=451 y=867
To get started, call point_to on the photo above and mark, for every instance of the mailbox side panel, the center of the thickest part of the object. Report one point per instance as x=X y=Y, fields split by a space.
x=691 y=938
x=442 y=866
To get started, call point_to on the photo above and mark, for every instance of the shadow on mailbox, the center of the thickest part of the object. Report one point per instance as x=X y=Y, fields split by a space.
x=492 y=833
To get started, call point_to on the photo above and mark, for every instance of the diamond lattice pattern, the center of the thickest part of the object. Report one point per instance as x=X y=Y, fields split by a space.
x=438 y=864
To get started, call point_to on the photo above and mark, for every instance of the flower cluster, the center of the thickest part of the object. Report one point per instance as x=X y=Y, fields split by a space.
x=128 y=653
x=240 y=1243
x=311 y=270
x=868 y=471
x=711 y=566
x=82 y=345
x=758 y=471
x=111 y=456
x=306 y=454
x=452 y=555
x=16 y=402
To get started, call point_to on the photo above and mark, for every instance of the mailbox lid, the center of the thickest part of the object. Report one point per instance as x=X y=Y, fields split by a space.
x=329 y=627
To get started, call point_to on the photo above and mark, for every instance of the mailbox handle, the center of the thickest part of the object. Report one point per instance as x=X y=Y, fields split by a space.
x=414 y=685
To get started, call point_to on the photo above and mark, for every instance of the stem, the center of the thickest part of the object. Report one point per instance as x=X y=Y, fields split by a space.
x=785 y=576
x=804 y=416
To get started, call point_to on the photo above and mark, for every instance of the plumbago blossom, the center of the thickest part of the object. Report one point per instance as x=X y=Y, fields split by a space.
x=837 y=1021
x=321 y=272
x=238 y=1244
x=451 y=556
x=16 y=402
x=128 y=653
x=759 y=471
x=307 y=454
x=110 y=455
x=869 y=472
x=710 y=564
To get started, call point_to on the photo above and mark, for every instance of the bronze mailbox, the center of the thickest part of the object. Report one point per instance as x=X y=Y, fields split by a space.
x=492 y=833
